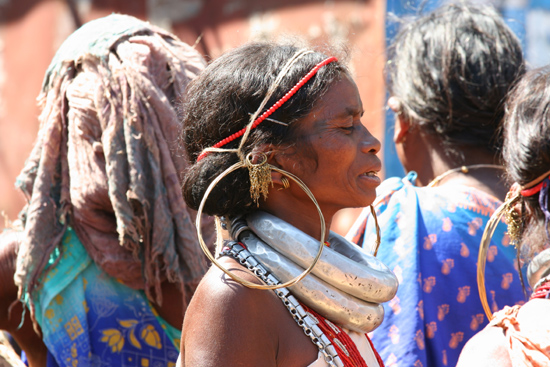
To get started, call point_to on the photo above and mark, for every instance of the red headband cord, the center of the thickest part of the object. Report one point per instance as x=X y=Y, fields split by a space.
x=273 y=108
x=527 y=190
x=532 y=191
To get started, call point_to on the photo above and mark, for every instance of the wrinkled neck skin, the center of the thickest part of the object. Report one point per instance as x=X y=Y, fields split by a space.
x=426 y=155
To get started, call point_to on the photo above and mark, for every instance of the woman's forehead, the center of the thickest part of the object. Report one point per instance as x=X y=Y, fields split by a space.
x=341 y=100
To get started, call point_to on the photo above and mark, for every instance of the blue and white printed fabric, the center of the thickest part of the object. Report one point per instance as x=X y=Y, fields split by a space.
x=430 y=239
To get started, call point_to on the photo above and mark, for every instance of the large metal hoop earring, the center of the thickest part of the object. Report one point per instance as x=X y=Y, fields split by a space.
x=235 y=277
x=484 y=247
x=377 y=243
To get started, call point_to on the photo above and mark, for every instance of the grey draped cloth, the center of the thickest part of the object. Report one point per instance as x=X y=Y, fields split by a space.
x=107 y=160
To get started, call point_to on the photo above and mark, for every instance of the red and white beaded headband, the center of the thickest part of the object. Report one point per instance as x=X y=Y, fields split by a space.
x=270 y=110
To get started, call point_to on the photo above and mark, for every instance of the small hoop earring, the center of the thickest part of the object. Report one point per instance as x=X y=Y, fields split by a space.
x=286 y=183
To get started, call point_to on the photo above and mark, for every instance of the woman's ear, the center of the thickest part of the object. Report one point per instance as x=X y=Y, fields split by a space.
x=277 y=178
x=276 y=158
x=402 y=124
x=283 y=159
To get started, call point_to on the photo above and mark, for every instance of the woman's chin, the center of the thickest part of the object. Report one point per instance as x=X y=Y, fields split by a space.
x=363 y=201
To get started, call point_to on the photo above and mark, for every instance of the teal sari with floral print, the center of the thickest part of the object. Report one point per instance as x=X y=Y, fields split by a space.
x=90 y=319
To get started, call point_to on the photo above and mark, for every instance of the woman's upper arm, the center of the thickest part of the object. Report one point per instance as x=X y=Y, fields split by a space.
x=11 y=317
x=9 y=244
x=487 y=348
x=230 y=323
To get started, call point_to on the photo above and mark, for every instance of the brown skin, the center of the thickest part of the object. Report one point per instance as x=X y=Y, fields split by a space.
x=229 y=322
x=241 y=326
x=173 y=302
x=10 y=319
x=345 y=151
x=425 y=154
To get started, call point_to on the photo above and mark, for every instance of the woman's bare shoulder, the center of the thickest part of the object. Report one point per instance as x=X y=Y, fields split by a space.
x=217 y=291
x=487 y=348
x=228 y=321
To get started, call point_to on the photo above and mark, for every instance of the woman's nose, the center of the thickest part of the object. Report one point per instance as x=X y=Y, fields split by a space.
x=369 y=144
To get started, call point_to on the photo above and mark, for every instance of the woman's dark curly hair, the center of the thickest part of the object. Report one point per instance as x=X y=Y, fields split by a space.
x=451 y=70
x=526 y=149
x=220 y=101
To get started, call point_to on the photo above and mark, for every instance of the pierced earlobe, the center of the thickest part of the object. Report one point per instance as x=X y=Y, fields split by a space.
x=395 y=105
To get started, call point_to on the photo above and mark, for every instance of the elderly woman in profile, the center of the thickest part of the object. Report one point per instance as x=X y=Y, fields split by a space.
x=277 y=147
x=520 y=335
x=448 y=73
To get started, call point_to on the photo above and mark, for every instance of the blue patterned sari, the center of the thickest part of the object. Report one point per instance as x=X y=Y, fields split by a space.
x=90 y=319
x=430 y=239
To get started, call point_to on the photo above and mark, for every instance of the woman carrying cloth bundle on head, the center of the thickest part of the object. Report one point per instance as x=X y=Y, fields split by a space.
x=520 y=335
x=277 y=147
x=107 y=258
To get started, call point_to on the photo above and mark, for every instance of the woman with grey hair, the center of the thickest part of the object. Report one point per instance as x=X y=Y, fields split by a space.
x=448 y=72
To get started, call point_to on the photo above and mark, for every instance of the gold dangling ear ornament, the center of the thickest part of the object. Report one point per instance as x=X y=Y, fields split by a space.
x=514 y=231
x=260 y=177
x=513 y=219
x=236 y=278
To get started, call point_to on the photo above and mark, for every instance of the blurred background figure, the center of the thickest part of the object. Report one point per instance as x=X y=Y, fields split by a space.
x=8 y=356
x=529 y=20
x=520 y=335
x=107 y=254
x=448 y=73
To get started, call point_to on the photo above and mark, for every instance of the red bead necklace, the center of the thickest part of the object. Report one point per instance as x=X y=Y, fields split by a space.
x=542 y=291
x=344 y=345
